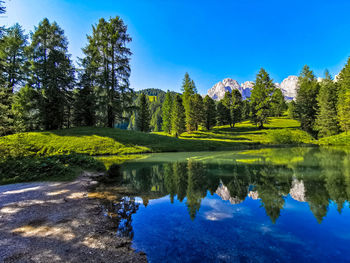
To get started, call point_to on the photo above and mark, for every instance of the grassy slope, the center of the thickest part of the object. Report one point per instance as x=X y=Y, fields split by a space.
x=342 y=139
x=101 y=141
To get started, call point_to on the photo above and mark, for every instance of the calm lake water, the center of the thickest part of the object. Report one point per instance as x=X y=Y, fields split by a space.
x=269 y=205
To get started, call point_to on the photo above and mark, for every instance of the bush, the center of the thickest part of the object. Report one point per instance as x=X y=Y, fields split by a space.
x=290 y=136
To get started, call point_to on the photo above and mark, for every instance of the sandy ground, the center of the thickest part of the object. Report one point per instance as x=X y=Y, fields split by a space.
x=58 y=222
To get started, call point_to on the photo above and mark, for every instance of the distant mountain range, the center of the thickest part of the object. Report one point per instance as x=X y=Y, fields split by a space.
x=288 y=87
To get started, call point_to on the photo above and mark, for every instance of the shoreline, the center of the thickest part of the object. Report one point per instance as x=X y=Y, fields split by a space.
x=58 y=221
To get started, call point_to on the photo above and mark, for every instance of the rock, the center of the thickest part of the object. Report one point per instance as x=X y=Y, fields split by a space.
x=217 y=92
x=289 y=87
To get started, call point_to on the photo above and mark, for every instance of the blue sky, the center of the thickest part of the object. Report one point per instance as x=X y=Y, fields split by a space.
x=211 y=40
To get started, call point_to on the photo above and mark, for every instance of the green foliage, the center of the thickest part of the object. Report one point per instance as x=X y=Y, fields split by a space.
x=25 y=109
x=306 y=100
x=53 y=168
x=236 y=108
x=278 y=103
x=166 y=112
x=177 y=117
x=223 y=114
x=289 y=136
x=261 y=98
x=209 y=110
x=143 y=116
x=51 y=73
x=107 y=61
x=344 y=98
x=156 y=113
x=326 y=120
x=291 y=112
x=245 y=110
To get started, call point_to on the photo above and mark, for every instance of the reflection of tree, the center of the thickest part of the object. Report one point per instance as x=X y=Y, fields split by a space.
x=273 y=183
x=196 y=187
x=181 y=179
x=325 y=176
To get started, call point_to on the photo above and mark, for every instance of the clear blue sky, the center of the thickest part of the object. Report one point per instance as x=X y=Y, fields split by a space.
x=211 y=40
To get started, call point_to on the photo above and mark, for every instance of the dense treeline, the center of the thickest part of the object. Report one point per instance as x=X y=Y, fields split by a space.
x=41 y=89
x=189 y=111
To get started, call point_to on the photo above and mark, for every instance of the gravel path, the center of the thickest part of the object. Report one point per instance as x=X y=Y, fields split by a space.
x=57 y=222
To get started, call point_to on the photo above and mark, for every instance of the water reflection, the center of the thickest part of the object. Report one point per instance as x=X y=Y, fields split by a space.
x=312 y=175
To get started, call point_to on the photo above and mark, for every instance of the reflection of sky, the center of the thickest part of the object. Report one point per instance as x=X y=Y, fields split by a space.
x=222 y=232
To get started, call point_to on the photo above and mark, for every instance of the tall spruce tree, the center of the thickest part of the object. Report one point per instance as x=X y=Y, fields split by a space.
x=227 y=103
x=143 y=116
x=245 y=109
x=343 y=97
x=190 y=115
x=109 y=64
x=261 y=98
x=167 y=112
x=236 y=108
x=51 y=73
x=326 y=119
x=198 y=113
x=178 y=124
x=209 y=109
x=306 y=100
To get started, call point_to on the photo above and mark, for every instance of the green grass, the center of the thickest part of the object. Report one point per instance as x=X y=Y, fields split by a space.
x=108 y=141
x=53 y=168
x=51 y=155
x=342 y=139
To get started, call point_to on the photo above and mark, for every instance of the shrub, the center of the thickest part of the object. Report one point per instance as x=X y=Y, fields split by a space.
x=290 y=136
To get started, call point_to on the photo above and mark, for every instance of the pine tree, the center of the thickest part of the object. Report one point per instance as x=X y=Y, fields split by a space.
x=261 y=98
x=178 y=117
x=223 y=114
x=326 y=119
x=278 y=103
x=236 y=108
x=245 y=110
x=292 y=110
x=190 y=115
x=143 y=116
x=198 y=113
x=227 y=103
x=166 y=112
x=51 y=73
x=306 y=100
x=188 y=89
x=209 y=109
x=26 y=109
x=344 y=98
x=109 y=64
x=12 y=73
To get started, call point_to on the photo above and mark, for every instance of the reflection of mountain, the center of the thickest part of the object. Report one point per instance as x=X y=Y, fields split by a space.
x=224 y=193
x=297 y=192
x=253 y=195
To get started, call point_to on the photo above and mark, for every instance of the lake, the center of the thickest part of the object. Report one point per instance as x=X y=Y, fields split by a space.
x=267 y=205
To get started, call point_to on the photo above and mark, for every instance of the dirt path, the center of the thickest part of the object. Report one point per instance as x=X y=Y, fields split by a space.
x=57 y=222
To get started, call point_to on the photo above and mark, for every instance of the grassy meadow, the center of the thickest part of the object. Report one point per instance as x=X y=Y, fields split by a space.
x=58 y=155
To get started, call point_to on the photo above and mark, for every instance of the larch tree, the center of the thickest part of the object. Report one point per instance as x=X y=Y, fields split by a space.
x=223 y=114
x=261 y=98
x=198 y=113
x=344 y=98
x=143 y=116
x=209 y=109
x=227 y=103
x=178 y=123
x=51 y=73
x=167 y=112
x=306 y=100
x=326 y=120
x=110 y=66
